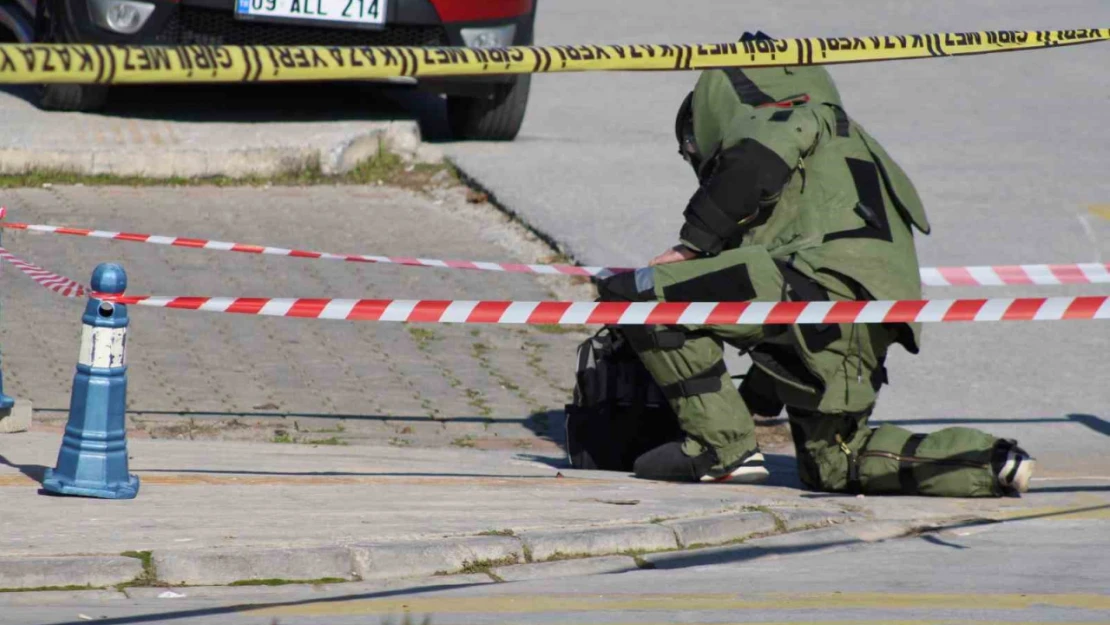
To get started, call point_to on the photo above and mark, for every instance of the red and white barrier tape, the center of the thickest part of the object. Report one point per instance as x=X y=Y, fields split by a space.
x=1002 y=275
x=612 y=313
x=639 y=313
x=246 y=248
x=47 y=279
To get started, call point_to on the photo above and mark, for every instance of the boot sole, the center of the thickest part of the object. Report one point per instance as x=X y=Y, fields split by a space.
x=754 y=473
x=1024 y=474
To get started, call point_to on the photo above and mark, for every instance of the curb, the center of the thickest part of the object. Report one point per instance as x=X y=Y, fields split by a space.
x=400 y=137
x=68 y=571
x=17 y=418
x=532 y=554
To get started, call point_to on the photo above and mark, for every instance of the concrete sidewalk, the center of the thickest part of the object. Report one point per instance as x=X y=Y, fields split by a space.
x=222 y=512
x=164 y=132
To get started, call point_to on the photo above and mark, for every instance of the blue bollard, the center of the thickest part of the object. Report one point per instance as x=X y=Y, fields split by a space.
x=93 y=459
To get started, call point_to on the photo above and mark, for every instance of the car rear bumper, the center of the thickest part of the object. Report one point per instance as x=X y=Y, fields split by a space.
x=213 y=22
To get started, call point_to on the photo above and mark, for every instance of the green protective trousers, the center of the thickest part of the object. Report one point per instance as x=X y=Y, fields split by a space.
x=828 y=407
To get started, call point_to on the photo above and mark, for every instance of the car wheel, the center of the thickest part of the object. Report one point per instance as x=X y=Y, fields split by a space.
x=58 y=97
x=496 y=117
x=65 y=97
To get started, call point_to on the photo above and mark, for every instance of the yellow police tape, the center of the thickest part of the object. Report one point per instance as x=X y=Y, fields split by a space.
x=101 y=64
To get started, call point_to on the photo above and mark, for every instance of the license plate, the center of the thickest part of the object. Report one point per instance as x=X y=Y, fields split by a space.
x=356 y=13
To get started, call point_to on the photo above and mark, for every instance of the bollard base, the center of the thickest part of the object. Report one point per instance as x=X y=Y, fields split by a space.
x=59 y=485
x=16 y=419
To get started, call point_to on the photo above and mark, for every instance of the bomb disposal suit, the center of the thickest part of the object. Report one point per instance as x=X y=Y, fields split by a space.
x=796 y=202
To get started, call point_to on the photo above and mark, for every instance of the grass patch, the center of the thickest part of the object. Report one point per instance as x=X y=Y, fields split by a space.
x=422 y=336
x=333 y=440
x=465 y=441
x=497 y=533
x=400 y=442
x=554 y=328
x=486 y=566
x=477 y=401
x=282 y=436
x=286 y=582
x=559 y=556
x=385 y=167
x=49 y=588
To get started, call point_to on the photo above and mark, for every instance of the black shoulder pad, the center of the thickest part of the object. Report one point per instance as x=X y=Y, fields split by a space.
x=729 y=200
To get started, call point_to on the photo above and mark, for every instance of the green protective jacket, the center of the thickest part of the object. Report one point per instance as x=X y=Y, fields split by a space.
x=785 y=168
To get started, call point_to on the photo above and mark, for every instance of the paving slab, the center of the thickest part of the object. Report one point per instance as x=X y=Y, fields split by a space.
x=546 y=544
x=197 y=376
x=229 y=564
x=720 y=529
x=428 y=557
x=808 y=518
x=73 y=570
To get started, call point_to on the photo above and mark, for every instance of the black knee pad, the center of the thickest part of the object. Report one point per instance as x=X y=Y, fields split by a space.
x=626 y=287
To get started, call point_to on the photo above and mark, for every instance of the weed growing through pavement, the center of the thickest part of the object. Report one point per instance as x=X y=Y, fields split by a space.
x=465 y=441
x=148 y=577
x=48 y=588
x=553 y=328
x=471 y=567
x=333 y=440
x=385 y=167
x=422 y=336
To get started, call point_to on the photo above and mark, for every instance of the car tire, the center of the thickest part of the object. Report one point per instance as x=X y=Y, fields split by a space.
x=496 y=117
x=65 y=97
x=59 y=97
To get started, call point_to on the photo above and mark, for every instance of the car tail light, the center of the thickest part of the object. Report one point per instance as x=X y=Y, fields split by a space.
x=482 y=10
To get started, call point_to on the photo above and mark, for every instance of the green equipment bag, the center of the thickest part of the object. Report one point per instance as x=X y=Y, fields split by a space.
x=619 y=412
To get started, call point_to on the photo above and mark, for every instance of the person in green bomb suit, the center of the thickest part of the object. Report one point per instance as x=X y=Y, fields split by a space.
x=797 y=202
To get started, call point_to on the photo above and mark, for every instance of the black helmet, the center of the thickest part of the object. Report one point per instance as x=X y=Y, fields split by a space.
x=684 y=133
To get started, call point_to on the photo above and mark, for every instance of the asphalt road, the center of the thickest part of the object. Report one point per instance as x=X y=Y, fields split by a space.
x=991 y=574
x=1008 y=151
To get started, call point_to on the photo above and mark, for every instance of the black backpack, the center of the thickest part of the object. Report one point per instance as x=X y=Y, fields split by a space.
x=619 y=412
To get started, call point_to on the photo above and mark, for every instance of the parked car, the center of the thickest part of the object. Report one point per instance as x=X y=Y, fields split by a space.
x=490 y=108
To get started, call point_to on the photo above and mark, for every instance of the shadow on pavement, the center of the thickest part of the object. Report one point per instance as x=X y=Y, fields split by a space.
x=163 y=617
x=549 y=425
x=1089 y=488
x=741 y=553
x=1098 y=424
x=271 y=103
x=33 y=471
x=308 y=415
x=937 y=540
x=346 y=473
